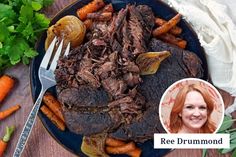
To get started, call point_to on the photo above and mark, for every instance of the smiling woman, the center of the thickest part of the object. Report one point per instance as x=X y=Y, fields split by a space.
x=197 y=107
x=191 y=111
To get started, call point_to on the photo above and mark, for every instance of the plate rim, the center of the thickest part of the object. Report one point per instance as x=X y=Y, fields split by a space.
x=68 y=6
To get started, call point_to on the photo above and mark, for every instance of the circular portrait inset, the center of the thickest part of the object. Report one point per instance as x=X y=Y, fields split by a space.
x=191 y=106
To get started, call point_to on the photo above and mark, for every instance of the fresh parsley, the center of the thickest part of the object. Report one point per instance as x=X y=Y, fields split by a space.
x=20 y=25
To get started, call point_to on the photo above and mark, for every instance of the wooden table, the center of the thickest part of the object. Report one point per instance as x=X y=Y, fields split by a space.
x=40 y=143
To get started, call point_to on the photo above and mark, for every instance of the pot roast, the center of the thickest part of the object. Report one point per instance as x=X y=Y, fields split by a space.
x=99 y=84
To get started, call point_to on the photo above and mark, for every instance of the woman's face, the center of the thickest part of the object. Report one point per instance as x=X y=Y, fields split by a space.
x=194 y=113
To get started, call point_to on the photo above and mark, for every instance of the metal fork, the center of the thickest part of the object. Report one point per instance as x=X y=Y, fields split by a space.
x=47 y=80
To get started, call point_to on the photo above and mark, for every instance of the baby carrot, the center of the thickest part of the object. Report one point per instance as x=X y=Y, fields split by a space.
x=89 y=8
x=166 y=26
x=6 y=84
x=114 y=142
x=57 y=121
x=169 y=38
x=175 y=30
x=5 y=139
x=123 y=149
x=135 y=153
x=53 y=104
x=4 y=114
x=115 y=146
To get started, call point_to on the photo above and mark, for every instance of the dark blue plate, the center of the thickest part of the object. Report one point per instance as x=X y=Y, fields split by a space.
x=71 y=141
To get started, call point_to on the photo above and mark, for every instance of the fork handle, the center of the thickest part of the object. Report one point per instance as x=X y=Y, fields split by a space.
x=28 y=126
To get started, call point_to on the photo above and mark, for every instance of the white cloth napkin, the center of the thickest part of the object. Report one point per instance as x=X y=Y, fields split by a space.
x=213 y=20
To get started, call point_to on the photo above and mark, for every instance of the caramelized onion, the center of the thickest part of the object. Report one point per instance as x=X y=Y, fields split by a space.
x=70 y=28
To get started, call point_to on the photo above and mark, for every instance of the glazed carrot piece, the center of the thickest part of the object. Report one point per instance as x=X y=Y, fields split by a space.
x=6 y=138
x=57 y=121
x=123 y=149
x=115 y=146
x=105 y=13
x=169 y=38
x=4 y=114
x=175 y=30
x=54 y=105
x=104 y=16
x=167 y=26
x=135 y=153
x=6 y=84
x=113 y=142
x=89 y=8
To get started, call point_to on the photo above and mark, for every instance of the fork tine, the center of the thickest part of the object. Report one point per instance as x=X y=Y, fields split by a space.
x=48 y=54
x=57 y=55
x=67 y=49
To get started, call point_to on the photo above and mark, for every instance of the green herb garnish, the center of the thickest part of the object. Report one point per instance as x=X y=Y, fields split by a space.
x=20 y=25
x=226 y=127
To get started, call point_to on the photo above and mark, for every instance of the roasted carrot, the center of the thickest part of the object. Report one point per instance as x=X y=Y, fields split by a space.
x=113 y=142
x=169 y=38
x=6 y=84
x=175 y=30
x=57 y=121
x=167 y=26
x=123 y=149
x=89 y=8
x=104 y=16
x=4 y=114
x=6 y=138
x=135 y=153
x=54 y=105
x=104 y=13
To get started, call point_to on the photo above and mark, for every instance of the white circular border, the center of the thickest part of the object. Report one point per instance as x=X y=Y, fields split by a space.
x=193 y=79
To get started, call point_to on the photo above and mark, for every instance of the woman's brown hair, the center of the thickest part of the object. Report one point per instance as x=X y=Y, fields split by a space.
x=176 y=121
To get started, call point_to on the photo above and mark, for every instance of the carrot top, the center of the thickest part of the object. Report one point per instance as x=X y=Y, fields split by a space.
x=9 y=131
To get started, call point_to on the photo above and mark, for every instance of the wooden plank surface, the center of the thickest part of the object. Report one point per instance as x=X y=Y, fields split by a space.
x=40 y=143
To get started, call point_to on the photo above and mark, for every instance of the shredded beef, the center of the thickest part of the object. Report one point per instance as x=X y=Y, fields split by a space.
x=99 y=83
